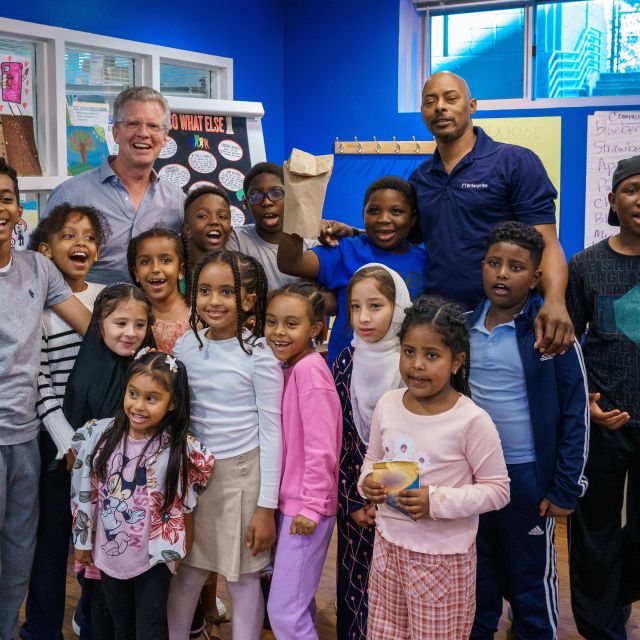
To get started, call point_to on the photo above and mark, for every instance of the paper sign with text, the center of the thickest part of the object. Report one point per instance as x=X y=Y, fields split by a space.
x=542 y=135
x=206 y=150
x=611 y=136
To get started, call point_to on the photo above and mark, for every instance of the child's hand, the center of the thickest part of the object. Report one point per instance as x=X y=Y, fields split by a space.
x=364 y=517
x=332 y=230
x=611 y=420
x=374 y=491
x=261 y=532
x=69 y=459
x=550 y=510
x=302 y=526
x=415 y=502
x=83 y=556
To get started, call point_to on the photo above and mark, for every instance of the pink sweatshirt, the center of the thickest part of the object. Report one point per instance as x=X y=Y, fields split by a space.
x=459 y=458
x=311 y=440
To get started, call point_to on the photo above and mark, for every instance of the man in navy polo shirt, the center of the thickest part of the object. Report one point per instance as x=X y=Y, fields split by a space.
x=471 y=184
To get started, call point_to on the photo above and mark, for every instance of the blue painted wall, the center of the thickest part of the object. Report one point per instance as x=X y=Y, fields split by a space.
x=322 y=68
x=249 y=31
x=341 y=61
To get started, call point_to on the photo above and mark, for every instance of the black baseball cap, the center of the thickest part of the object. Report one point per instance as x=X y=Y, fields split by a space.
x=625 y=169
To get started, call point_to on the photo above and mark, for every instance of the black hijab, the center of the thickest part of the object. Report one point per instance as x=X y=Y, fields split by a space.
x=96 y=385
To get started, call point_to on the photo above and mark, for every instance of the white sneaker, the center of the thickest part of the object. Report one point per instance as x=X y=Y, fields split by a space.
x=222 y=610
x=74 y=623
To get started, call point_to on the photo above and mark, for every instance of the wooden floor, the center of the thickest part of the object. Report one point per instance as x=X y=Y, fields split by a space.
x=326 y=601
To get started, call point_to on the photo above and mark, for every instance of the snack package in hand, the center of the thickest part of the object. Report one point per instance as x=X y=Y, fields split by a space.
x=396 y=476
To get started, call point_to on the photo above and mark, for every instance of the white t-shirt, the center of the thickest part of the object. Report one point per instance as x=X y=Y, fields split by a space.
x=236 y=402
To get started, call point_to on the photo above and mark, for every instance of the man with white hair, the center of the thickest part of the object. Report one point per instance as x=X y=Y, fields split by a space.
x=125 y=187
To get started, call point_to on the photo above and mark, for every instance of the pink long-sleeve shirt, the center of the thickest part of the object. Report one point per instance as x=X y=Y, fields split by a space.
x=311 y=440
x=459 y=458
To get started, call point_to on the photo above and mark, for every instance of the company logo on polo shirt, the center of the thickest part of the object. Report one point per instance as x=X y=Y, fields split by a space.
x=474 y=185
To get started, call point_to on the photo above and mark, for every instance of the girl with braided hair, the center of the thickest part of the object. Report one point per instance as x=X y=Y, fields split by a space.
x=311 y=439
x=236 y=386
x=423 y=572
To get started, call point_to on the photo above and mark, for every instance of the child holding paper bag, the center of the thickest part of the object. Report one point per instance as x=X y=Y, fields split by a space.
x=305 y=178
x=389 y=213
x=423 y=572
x=264 y=197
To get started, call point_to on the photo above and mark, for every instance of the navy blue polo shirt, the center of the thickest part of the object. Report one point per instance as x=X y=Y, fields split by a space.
x=493 y=183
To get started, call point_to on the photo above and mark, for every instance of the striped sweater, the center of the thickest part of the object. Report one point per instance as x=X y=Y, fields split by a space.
x=60 y=346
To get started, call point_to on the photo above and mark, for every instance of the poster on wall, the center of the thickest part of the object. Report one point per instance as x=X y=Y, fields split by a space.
x=86 y=148
x=542 y=135
x=27 y=223
x=89 y=133
x=207 y=150
x=17 y=88
x=611 y=136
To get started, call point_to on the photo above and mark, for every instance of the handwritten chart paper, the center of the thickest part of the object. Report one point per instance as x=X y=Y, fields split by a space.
x=611 y=136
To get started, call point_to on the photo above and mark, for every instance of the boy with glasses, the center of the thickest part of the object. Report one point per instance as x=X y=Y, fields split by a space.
x=264 y=198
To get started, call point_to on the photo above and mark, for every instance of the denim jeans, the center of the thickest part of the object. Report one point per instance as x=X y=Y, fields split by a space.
x=46 y=599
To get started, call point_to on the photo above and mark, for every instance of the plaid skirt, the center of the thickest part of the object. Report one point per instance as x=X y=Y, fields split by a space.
x=418 y=596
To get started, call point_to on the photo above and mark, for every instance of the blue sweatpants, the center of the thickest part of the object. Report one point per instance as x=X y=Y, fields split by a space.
x=517 y=561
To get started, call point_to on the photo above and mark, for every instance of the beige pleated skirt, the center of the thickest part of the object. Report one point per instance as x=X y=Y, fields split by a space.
x=222 y=516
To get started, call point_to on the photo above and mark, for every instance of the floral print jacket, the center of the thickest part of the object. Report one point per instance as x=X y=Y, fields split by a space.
x=167 y=530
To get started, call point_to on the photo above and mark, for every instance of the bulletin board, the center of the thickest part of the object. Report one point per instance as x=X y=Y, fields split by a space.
x=213 y=142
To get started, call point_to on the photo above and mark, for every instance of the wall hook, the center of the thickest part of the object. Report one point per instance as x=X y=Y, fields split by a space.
x=397 y=149
x=359 y=147
x=340 y=145
x=378 y=147
x=417 y=144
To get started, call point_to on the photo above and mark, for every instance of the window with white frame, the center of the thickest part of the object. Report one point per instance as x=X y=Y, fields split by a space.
x=73 y=78
x=189 y=82
x=583 y=51
x=92 y=82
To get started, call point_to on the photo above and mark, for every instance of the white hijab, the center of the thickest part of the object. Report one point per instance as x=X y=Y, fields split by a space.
x=376 y=364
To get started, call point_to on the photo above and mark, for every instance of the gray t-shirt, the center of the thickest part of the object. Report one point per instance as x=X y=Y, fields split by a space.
x=30 y=284
x=245 y=239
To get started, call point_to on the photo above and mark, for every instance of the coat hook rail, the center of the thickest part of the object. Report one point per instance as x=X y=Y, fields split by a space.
x=384 y=147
